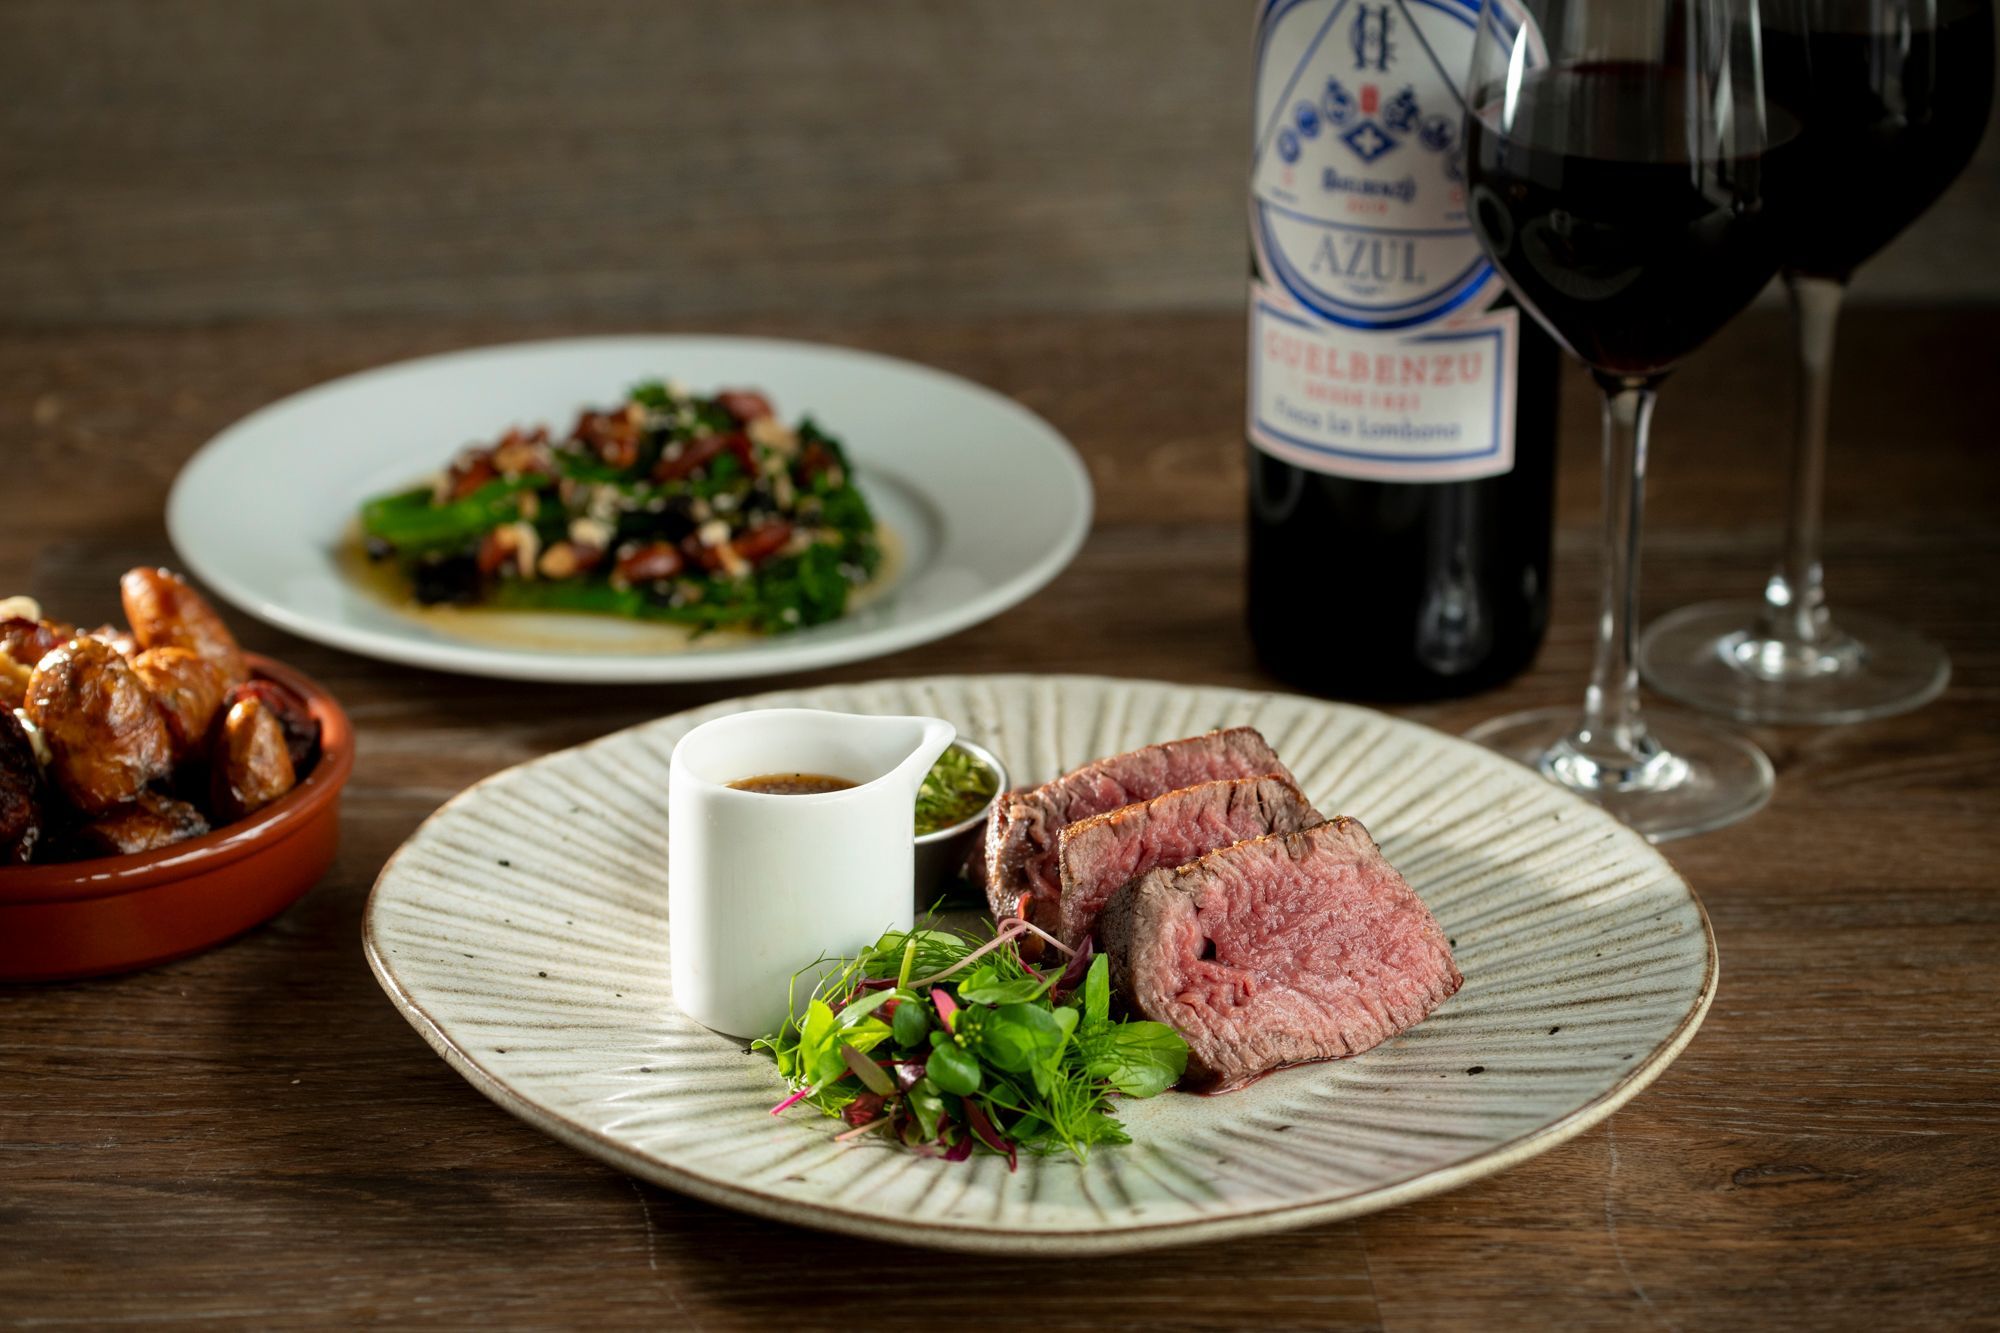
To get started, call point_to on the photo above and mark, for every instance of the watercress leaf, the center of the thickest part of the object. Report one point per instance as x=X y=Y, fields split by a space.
x=989 y=989
x=866 y=1035
x=1097 y=994
x=1049 y=1067
x=1017 y=1037
x=1003 y=1045
x=926 y=1105
x=975 y=978
x=1138 y=1059
x=912 y=1020
x=953 y=1069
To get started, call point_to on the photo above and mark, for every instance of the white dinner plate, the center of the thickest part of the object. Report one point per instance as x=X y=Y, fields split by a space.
x=985 y=500
x=523 y=931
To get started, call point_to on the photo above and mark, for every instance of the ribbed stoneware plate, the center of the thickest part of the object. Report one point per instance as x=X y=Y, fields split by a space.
x=523 y=931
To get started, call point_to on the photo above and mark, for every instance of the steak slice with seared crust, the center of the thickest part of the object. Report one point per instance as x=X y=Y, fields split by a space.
x=1101 y=854
x=1021 y=833
x=1276 y=951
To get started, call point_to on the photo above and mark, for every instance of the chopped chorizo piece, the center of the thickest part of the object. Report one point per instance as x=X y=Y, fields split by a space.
x=251 y=766
x=166 y=613
x=760 y=543
x=613 y=436
x=690 y=456
x=472 y=469
x=650 y=563
x=746 y=405
x=524 y=454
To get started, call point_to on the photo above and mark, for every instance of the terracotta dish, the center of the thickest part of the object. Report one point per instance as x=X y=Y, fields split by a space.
x=120 y=913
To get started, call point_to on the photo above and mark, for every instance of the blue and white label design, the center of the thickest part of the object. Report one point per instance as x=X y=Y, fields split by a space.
x=1372 y=350
x=1434 y=405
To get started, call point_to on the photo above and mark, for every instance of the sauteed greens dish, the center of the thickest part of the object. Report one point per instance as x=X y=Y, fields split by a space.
x=706 y=511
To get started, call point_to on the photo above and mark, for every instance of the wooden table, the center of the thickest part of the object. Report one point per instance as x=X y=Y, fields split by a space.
x=255 y=1138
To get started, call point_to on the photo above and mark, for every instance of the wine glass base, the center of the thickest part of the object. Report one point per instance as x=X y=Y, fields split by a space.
x=1703 y=778
x=1713 y=658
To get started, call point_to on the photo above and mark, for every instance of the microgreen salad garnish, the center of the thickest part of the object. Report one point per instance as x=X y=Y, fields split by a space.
x=957 y=787
x=951 y=1045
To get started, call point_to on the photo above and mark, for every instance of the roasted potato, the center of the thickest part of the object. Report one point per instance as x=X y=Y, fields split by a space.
x=105 y=734
x=150 y=822
x=130 y=740
x=122 y=640
x=166 y=613
x=189 y=690
x=301 y=727
x=251 y=767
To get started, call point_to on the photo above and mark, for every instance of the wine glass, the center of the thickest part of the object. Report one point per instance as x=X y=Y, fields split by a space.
x=1894 y=95
x=1619 y=154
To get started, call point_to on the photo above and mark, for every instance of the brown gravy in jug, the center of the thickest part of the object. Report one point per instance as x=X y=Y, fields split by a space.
x=791 y=784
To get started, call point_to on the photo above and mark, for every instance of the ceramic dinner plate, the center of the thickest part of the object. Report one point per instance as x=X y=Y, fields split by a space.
x=985 y=502
x=523 y=932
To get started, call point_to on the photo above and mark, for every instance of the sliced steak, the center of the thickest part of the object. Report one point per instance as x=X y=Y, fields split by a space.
x=1279 y=950
x=1021 y=834
x=1101 y=854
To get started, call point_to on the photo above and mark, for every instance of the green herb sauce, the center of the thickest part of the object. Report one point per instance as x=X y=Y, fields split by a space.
x=957 y=787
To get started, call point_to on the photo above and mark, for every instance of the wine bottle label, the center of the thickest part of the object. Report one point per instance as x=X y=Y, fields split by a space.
x=1431 y=406
x=1373 y=350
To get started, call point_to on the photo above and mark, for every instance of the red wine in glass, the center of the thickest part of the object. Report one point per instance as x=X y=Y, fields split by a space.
x=1894 y=96
x=1891 y=119
x=1623 y=165
x=1590 y=208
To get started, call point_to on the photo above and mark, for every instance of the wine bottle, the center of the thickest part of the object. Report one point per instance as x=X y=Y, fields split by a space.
x=1401 y=411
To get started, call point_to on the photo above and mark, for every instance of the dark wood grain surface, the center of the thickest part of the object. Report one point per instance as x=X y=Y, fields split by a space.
x=660 y=159
x=255 y=1138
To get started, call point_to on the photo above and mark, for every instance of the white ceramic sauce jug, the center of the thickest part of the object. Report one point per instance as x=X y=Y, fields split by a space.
x=761 y=886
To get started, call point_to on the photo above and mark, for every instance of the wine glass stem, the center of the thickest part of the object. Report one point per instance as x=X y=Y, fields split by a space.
x=1613 y=736
x=1795 y=616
